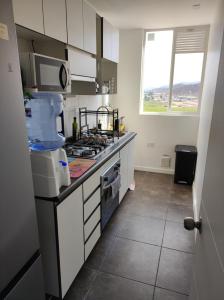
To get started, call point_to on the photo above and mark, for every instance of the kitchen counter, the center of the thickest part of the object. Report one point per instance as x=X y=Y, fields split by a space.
x=100 y=160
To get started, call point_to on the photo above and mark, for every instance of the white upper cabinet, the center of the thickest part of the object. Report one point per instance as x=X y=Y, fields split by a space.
x=81 y=63
x=75 y=23
x=107 y=39
x=55 y=19
x=110 y=42
x=29 y=13
x=115 y=45
x=89 y=25
x=81 y=24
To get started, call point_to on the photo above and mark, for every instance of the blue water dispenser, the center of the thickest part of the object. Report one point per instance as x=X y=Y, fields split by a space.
x=48 y=160
x=41 y=115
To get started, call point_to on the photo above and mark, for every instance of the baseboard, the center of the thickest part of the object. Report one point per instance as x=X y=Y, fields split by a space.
x=154 y=170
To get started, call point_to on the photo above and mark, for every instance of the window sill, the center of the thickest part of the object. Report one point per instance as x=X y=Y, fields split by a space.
x=170 y=114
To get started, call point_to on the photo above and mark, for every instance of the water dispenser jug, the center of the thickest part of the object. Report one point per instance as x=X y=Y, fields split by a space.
x=41 y=115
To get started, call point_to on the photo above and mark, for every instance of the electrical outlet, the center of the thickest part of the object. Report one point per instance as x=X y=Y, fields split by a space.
x=150 y=145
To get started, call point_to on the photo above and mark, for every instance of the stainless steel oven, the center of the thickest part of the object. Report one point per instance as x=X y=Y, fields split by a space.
x=110 y=185
x=45 y=73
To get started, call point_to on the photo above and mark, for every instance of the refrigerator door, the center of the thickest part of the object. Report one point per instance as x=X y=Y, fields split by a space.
x=18 y=224
x=30 y=286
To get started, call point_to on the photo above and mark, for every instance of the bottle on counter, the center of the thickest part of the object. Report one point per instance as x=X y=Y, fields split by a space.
x=99 y=125
x=74 y=129
x=121 y=125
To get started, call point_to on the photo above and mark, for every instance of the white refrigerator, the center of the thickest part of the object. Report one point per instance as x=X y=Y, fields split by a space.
x=20 y=260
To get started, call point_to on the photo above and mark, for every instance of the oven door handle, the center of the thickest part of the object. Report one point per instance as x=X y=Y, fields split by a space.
x=106 y=187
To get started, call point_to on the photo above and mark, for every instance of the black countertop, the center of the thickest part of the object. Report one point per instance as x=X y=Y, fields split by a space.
x=100 y=160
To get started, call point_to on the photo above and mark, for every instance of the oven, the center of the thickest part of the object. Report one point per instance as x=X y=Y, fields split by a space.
x=110 y=186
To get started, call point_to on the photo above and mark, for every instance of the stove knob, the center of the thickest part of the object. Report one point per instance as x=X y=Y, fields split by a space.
x=117 y=167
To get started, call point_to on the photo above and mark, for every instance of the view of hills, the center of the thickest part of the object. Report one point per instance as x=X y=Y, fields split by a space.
x=178 y=89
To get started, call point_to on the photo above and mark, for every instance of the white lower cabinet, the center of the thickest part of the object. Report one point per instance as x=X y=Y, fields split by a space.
x=92 y=241
x=131 y=163
x=91 y=204
x=70 y=237
x=91 y=223
x=124 y=172
x=70 y=230
x=127 y=168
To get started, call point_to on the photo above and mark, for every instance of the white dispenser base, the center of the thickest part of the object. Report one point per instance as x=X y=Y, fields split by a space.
x=50 y=172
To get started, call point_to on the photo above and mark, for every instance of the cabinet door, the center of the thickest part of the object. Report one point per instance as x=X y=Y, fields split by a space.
x=89 y=25
x=81 y=63
x=75 y=23
x=55 y=19
x=107 y=39
x=131 y=163
x=29 y=13
x=124 y=172
x=115 y=45
x=70 y=236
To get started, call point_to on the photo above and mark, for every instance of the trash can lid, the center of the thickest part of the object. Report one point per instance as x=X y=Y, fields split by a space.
x=185 y=148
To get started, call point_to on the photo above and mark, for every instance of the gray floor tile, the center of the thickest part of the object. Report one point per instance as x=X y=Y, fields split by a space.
x=146 y=208
x=161 y=294
x=98 y=254
x=142 y=229
x=140 y=217
x=181 y=196
x=176 y=237
x=132 y=260
x=81 y=285
x=109 y=287
x=177 y=212
x=175 y=269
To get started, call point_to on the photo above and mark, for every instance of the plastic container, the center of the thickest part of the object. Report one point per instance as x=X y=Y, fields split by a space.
x=41 y=115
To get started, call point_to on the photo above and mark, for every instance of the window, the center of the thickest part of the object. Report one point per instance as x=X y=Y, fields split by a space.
x=173 y=69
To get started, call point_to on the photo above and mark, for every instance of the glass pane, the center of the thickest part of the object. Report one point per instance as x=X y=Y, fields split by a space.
x=156 y=70
x=187 y=82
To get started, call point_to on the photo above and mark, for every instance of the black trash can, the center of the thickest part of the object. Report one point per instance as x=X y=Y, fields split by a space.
x=186 y=158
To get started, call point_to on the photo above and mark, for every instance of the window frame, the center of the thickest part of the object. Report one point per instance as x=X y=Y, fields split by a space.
x=169 y=111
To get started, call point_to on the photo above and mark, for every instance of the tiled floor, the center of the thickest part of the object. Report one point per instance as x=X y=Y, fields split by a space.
x=144 y=252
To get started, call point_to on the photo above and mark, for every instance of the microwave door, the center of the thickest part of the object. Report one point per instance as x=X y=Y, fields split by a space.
x=50 y=75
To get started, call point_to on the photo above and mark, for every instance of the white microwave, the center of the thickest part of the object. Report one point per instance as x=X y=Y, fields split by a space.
x=45 y=73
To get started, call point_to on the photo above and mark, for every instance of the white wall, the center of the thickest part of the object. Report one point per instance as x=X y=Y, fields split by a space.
x=157 y=135
x=211 y=73
x=71 y=109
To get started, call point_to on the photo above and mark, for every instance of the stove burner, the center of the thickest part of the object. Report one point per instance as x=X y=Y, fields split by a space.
x=88 y=146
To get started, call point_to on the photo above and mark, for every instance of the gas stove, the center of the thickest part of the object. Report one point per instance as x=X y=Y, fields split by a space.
x=89 y=146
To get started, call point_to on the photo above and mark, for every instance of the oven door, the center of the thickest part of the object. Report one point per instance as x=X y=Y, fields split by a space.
x=52 y=75
x=110 y=185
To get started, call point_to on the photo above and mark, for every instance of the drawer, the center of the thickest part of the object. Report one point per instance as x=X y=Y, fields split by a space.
x=94 y=181
x=91 y=204
x=91 y=223
x=92 y=241
x=91 y=184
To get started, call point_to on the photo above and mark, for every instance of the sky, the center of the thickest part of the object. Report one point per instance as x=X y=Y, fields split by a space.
x=157 y=62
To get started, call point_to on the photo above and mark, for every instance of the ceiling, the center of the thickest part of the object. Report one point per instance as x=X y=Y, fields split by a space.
x=151 y=14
